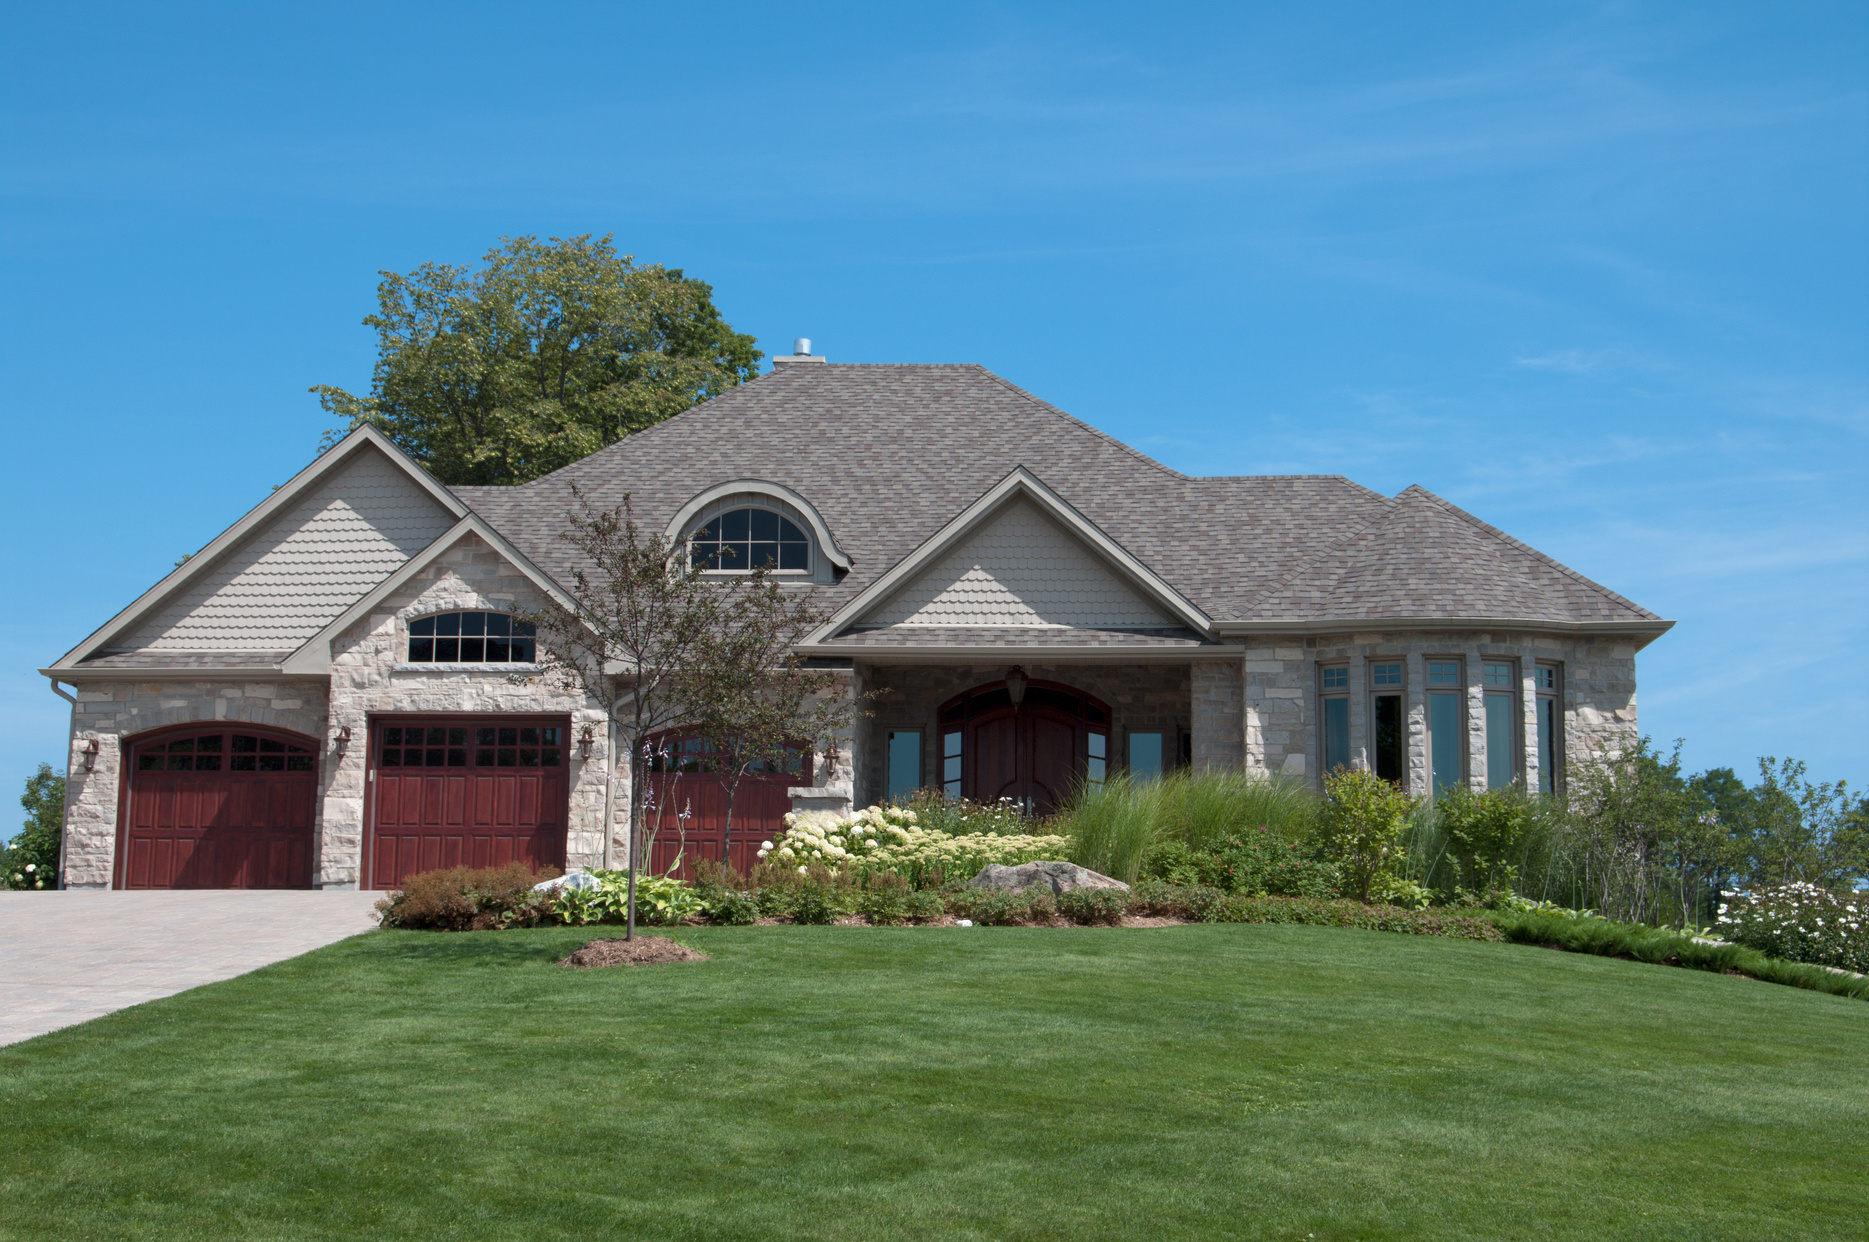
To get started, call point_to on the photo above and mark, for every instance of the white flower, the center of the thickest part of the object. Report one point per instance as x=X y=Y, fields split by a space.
x=31 y=867
x=804 y=871
x=765 y=845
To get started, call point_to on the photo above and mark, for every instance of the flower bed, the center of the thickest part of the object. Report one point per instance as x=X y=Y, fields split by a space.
x=1800 y=923
x=889 y=839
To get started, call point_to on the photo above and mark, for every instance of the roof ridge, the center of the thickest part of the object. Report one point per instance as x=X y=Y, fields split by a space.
x=1488 y=528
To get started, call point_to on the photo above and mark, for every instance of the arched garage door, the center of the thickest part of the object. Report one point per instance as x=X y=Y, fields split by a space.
x=219 y=807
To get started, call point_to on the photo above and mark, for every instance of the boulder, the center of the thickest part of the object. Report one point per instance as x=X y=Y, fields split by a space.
x=1057 y=876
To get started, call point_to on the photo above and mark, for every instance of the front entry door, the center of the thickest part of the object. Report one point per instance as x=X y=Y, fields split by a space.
x=1035 y=753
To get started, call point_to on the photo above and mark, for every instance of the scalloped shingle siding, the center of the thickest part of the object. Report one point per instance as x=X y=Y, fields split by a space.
x=1018 y=568
x=286 y=582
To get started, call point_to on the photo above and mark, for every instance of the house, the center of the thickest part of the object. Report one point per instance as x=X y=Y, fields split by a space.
x=334 y=692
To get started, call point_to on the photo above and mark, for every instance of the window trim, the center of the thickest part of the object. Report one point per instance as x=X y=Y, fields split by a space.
x=1554 y=696
x=409 y=663
x=1457 y=690
x=1387 y=690
x=702 y=518
x=1512 y=691
x=1326 y=695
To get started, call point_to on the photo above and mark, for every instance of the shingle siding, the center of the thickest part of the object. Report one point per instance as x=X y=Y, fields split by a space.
x=1018 y=568
x=304 y=568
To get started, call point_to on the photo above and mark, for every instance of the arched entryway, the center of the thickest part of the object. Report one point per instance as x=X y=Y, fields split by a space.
x=1035 y=751
x=685 y=816
x=218 y=806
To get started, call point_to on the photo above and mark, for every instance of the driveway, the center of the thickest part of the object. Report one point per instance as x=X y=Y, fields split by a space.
x=72 y=956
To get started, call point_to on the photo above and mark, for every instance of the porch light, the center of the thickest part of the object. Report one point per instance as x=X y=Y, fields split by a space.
x=1015 y=685
x=342 y=740
x=90 y=754
x=586 y=740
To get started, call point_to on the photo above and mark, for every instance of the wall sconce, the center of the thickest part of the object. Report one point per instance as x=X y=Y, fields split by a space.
x=342 y=741
x=1015 y=685
x=586 y=740
x=90 y=754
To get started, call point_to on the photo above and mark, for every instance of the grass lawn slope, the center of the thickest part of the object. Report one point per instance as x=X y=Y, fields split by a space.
x=1002 y=1083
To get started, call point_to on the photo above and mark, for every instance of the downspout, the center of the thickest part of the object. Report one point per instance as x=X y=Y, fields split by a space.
x=64 y=838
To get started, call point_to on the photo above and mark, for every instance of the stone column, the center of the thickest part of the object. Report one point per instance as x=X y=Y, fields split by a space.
x=1215 y=715
x=1359 y=712
x=1420 y=781
x=1528 y=721
x=1476 y=719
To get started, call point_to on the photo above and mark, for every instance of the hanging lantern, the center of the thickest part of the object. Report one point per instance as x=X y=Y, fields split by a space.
x=1015 y=685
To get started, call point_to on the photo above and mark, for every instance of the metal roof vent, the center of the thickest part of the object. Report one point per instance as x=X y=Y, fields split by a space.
x=801 y=352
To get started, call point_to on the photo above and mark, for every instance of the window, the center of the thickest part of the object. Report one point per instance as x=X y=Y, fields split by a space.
x=742 y=540
x=1502 y=723
x=1336 y=712
x=905 y=762
x=241 y=752
x=950 y=763
x=1097 y=765
x=1145 y=755
x=443 y=746
x=1391 y=733
x=1447 y=718
x=471 y=638
x=1547 y=683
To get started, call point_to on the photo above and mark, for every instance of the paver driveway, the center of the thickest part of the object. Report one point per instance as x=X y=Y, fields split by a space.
x=72 y=956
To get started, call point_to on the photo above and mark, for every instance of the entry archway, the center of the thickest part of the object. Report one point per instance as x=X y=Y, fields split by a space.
x=1035 y=752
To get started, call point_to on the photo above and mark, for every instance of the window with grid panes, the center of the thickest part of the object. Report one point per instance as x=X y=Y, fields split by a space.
x=1334 y=700
x=1500 y=683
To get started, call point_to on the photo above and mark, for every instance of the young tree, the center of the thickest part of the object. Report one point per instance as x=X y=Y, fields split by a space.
x=30 y=860
x=543 y=356
x=638 y=628
x=762 y=702
x=1362 y=823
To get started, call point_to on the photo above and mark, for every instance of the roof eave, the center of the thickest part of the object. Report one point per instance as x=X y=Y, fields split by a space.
x=994 y=653
x=1643 y=632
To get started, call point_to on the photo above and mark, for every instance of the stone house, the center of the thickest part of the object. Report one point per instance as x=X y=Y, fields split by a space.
x=334 y=692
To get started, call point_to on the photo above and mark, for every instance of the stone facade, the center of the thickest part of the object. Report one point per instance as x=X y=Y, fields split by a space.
x=115 y=713
x=1282 y=708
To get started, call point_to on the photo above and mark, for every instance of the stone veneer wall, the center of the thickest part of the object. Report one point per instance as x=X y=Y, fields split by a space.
x=112 y=712
x=1281 y=699
x=369 y=677
x=1141 y=696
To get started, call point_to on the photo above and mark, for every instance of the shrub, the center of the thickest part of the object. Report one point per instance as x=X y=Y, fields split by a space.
x=883 y=898
x=470 y=899
x=660 y=900
x=1193 y=902
x=1201 y=809
x=30 y=860
x=1255 y=862
x=730 y=907
x=1113 y=825
x=1348 y=913
x=888 y=839
x=936 y=811
x=1800 y=923
x=923 y=905
x=816 y=897
x=1483 y=831
x=1362 y=824
x=1093 y=905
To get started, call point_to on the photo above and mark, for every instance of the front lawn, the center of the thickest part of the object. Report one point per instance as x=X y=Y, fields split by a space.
x=1198 y=1081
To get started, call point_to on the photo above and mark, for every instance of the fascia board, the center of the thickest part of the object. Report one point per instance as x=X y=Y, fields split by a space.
x=819 y=527
x=1021 y=482
x=1647 y=631
x=314 y=657
x=288 y=494
x=1015 y=655
x=257 y=672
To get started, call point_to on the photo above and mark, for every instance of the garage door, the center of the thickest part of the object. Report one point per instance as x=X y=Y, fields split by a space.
x=473 y=792
x=220 y=808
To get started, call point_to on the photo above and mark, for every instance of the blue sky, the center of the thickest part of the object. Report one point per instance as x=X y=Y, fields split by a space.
x=1600 y=274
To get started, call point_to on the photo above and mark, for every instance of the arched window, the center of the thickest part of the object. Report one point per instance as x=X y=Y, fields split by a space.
x=470 y=638
x=742 y=540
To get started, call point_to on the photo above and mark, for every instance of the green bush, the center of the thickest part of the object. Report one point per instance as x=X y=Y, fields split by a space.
x=1202 y=809
x=1361 y=827
x=1255 y=862
x=1344 y=912
x=30 y=860
x=923 y=905
x=731 y=907
x=1194 y=902
x=470 y=899
x=1092 y=906
x=661 y=900
x=884 y=898
x=959 y=817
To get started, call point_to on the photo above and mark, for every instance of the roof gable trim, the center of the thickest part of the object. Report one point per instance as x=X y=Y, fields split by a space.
x=1021 y=482
x=288 y=494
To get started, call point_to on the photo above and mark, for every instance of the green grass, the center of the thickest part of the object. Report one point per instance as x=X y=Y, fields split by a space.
x=1200 y=1081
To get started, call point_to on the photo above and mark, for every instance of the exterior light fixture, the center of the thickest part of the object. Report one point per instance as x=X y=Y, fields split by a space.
x=90 y=755
x=586 y=740
x=343 y=739
x=1015 y=685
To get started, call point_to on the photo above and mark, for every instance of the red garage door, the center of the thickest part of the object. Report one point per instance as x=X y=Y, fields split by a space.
x=685 y=816
x=473 y=791
x=220 y=808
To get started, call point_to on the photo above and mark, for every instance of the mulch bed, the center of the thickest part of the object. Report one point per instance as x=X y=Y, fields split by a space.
x=642 y=951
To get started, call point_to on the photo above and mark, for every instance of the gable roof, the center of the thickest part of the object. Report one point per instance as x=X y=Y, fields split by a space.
x=291 y=563
x=892 y=455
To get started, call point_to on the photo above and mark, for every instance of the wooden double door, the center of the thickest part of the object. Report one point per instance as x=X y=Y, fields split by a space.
x=1036 y=752
x=473 y=791
x=219 y=807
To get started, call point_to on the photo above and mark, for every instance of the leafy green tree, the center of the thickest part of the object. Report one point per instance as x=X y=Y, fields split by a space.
x=1362 y=825
x=1801 y=831
x=1484 y=832
x=547 y=353
x=30 y=860
x=1629 y=818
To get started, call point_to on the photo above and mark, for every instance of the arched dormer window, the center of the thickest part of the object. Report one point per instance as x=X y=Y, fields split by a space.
x=471 y=638
x=748 y=538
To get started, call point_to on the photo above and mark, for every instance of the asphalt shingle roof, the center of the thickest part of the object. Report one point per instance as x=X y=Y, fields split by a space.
x=889 y=454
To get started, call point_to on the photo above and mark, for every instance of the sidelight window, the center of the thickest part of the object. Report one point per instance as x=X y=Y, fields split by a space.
x=471 y=638
x=950 y=763
x=1547 y=683
x=905 y=762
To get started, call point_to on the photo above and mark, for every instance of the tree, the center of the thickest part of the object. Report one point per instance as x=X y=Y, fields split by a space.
x=1803 y=832
x=30 y=860
x=638 y=625
x=763 y=702
x=543 y=356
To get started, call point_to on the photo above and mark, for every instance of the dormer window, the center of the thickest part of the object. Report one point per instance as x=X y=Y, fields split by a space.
x=471 y=638
x=742 y=540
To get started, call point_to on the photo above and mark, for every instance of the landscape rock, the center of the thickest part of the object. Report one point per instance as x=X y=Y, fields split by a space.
x=1059 y=877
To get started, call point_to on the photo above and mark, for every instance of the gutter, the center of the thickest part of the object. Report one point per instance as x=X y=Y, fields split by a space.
x=949 y=654
x=1645 y=631
x=262 y=672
